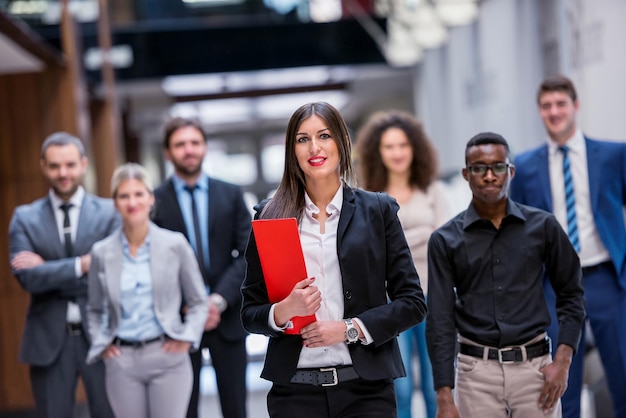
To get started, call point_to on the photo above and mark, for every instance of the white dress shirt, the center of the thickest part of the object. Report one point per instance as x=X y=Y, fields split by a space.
x=73 y=310
x=592 y=251
x=322 y=262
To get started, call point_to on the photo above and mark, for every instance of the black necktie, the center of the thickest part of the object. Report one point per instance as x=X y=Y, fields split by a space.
x=196 y=228
x=67 y=230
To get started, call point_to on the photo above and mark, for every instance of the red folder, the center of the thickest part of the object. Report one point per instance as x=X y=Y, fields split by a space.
x=282 y=261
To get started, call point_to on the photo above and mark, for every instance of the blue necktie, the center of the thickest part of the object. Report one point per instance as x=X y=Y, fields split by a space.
x=196 y=229
x=570 y=200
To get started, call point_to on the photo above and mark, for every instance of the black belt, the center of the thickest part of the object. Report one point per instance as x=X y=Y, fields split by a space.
x=508 y=354
x=74 y=328
x=326 y=376
x=136 y=344
x=591 y=269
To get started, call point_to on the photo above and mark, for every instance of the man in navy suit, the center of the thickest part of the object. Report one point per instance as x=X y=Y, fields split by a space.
x=213 y=216
x=594 y=218
x=49 y=244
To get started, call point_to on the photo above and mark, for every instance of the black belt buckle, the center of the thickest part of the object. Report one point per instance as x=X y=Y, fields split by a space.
x=512 y=350
x=73 y=329
x=333 y=370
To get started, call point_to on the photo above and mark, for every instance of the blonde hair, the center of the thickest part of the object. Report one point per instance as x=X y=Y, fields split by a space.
x=130 y=171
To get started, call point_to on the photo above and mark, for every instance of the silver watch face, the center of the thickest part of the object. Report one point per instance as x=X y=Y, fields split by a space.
x=352 y=334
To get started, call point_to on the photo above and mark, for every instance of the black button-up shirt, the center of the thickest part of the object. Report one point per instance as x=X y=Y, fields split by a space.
x=487 y=284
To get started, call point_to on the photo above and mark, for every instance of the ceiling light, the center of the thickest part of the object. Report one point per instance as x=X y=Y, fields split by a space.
x=457 y=12
x=401 y=49
x=428 y=30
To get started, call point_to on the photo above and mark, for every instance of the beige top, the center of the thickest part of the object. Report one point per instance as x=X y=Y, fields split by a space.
x=420 y=216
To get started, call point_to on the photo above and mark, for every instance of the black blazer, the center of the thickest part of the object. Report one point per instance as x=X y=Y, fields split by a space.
x=229 y=227
x=380 y=287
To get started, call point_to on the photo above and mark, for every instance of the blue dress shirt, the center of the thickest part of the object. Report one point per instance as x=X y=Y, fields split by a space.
x=138 y=320
x=201 y=196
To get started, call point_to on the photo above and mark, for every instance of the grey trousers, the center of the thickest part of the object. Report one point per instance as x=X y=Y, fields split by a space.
x=147 y=382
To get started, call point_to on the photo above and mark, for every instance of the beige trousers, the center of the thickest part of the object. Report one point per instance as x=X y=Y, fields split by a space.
x=147 y=382
x=487 y=388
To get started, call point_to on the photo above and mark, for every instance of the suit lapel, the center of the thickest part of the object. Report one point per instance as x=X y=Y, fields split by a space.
x=113 y=260
x=156 y=256
x=347 y=210
x=86 y=218
x=542 y=175
x=172 y=211
x=50 y=229
x=594 y=171
x=213 y=205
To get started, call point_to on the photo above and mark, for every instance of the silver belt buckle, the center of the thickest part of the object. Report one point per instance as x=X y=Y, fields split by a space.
x=335 y=381
x=500 y=351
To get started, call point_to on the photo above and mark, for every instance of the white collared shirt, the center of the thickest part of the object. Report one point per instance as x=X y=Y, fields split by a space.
x=322 y=262
x=592 y=251
x=73 y=310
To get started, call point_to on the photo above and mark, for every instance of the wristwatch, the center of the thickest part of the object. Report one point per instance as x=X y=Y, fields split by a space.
x=352 y=334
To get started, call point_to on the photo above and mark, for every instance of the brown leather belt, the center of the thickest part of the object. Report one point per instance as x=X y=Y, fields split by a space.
x=326 y=376
x=509 y=354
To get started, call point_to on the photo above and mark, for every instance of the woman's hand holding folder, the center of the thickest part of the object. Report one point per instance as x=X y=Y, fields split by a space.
x=304 y=300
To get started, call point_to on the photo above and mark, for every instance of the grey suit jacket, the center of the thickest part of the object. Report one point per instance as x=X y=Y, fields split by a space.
x=33 y=228
x=175 y=275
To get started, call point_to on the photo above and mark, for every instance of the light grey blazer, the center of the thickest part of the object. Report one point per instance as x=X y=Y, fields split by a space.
x=175 y=277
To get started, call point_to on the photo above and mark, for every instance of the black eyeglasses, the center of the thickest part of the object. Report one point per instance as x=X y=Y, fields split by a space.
x=481 y=169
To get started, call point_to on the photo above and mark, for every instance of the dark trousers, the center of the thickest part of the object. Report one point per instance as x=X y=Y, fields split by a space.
x=606 y=313
x=229 y=359
x=54 y=386
x=355 y=398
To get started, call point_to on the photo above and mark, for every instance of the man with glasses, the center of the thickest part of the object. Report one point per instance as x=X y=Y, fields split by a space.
x=583 y=182
x=486 y=268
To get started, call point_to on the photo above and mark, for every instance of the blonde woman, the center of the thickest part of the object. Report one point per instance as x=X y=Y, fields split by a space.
x=139 y=278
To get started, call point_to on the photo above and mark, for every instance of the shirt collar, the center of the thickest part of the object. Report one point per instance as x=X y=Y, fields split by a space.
x=76 y=200
x=333 y=207
x=575 y=143
x=512 y=211
x=125 y=244
x=202 y=183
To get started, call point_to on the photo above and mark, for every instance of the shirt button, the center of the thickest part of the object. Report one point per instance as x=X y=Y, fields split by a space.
x=348 y=294
x=497 y=261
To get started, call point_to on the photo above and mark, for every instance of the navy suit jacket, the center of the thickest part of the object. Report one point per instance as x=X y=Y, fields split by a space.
x=51 y=284
x=606 y=163
x=376 y=266
x=229 y=227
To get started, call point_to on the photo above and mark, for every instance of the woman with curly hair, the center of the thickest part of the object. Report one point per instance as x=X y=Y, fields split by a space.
x=396 y=156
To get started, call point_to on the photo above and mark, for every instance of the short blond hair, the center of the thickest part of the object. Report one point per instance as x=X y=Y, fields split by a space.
x=130 y=171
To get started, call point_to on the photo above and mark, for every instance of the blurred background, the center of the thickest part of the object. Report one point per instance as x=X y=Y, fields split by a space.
x=112 y=71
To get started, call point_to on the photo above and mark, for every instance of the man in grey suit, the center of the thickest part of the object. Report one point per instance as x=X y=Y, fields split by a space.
x=49 y=244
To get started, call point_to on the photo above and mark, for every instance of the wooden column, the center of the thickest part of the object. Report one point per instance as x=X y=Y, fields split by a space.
x=35 y=105
x=105 y=113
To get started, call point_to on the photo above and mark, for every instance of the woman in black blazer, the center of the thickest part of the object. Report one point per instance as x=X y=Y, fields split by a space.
x=362 y=284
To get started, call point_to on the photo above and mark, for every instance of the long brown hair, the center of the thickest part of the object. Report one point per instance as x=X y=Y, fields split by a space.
x=288 y=201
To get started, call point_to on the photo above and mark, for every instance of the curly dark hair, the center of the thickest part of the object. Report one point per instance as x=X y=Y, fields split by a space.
x=372 y=172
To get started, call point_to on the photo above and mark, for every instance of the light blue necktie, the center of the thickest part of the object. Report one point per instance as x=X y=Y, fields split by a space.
x=570 y=200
